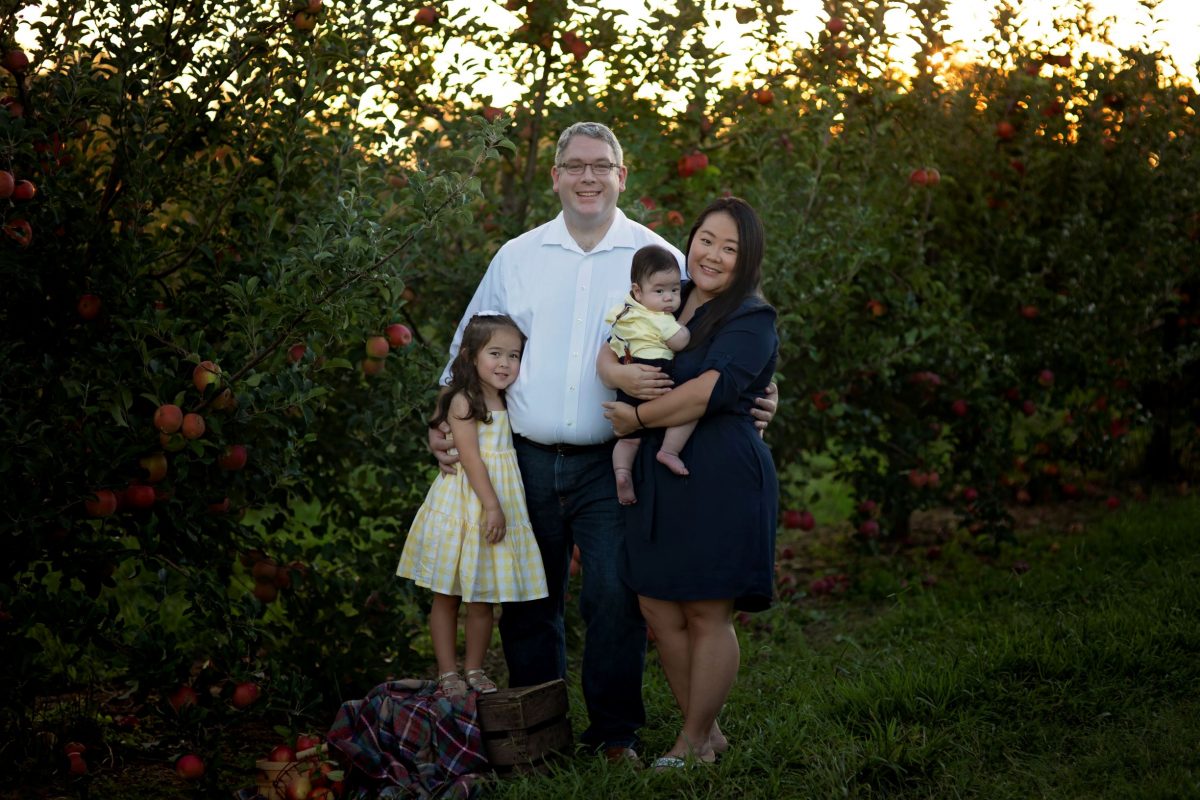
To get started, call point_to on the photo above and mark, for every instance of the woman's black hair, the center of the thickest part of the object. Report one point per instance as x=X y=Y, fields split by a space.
x=747 y=274
x=464 y=377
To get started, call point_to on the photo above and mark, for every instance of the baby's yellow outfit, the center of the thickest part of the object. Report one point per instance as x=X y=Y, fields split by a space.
x=645 y=332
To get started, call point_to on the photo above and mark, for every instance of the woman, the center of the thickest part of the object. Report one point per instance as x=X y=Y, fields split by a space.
x=699 y=547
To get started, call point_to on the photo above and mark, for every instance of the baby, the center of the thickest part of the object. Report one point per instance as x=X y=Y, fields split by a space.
x=645 y=331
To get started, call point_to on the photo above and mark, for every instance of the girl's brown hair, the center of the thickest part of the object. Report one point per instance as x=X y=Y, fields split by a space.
x=464 y=377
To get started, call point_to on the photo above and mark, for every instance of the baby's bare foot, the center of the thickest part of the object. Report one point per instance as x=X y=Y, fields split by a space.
x=672 y=462
x=625 y=494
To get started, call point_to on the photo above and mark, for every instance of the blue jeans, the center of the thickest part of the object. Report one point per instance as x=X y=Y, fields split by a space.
x=573 y=501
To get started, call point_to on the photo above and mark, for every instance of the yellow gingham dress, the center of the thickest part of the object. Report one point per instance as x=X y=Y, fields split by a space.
x=446 y=551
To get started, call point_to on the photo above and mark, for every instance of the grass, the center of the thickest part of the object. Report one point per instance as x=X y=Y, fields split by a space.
x=1077 y=679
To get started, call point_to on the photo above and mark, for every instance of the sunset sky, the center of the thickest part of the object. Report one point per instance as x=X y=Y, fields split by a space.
x=970 y=22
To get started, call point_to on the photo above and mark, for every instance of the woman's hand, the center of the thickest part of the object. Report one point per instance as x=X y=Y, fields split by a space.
x=636 y=380
x=766 y=408
x=642 y=381
x=441 y=444
x=622 y=416
x=493 y=525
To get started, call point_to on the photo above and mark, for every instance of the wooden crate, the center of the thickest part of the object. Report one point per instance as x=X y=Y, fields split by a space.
x=523 y=726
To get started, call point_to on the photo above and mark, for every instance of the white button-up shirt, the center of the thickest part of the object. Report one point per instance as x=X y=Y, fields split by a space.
x=558 y=295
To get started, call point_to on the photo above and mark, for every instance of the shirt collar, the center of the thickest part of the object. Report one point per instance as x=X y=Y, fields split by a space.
x=619 y=234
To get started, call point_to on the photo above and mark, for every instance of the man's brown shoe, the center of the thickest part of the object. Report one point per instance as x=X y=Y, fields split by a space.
x=619 y=754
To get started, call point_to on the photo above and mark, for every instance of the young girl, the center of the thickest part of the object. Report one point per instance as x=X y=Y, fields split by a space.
x=471 y=539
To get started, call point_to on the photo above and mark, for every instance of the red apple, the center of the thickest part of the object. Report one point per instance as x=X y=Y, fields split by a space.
x=1113 y=502
x=372 y=366
x=1005 y=130
x=193 y=426
x=491 y=113
x=398 y=335
x=205 y=374
x=426 y=15
x=376 y=347
x=221 y=507
x=76 y=764
x=139 y=496
x=189 y=767
x=296 y=352
x=7 y=184
x=88 y=306
x=183 y=697
x=24 y=190
x=233 y=458
x=1029 y=312
x=1028 y=408
x=1046 y=378
x=307 y=741
x=764 y=96
x=970 y=494
x=917 y=479
x=674 y=218
x=304 y=21
x=876 y=308
x=102 y=503
x=959 y=408
x=867 y=507
x=869 y=529
x=281 y=753
x=821 y=401
x=314 y=6
x=155 y=466
x=835 y=25
x=266 y=592
x=168 y=418
x=15 y=61
x=244 y=694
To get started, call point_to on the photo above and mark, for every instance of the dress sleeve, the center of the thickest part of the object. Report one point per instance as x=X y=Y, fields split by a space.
x=740 y=351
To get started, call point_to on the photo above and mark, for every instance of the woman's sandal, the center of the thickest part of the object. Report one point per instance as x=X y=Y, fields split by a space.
x=478 y=680
x=451 y=684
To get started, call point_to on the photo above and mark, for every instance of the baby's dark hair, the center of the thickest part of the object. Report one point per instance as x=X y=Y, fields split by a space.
x=651 y=260
x=464 y=377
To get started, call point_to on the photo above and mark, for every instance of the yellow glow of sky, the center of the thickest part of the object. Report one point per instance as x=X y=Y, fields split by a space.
x=970 y=22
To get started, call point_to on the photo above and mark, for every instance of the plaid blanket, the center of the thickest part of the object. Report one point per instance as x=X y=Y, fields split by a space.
x=404 y=740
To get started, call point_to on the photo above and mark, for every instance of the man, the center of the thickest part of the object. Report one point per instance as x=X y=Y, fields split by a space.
x=558 y=281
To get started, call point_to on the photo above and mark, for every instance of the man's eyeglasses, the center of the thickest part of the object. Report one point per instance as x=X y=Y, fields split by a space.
x=600 y=170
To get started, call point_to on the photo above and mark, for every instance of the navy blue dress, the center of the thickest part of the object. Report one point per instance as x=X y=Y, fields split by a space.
x=711 y=535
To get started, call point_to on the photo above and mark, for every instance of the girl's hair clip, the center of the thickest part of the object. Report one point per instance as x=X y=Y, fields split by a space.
x=489 y=313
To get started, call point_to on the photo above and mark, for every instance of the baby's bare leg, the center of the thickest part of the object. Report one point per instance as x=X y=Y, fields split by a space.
x=624 y=452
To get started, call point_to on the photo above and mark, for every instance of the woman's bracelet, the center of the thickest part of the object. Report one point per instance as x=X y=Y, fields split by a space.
x=641 y=424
